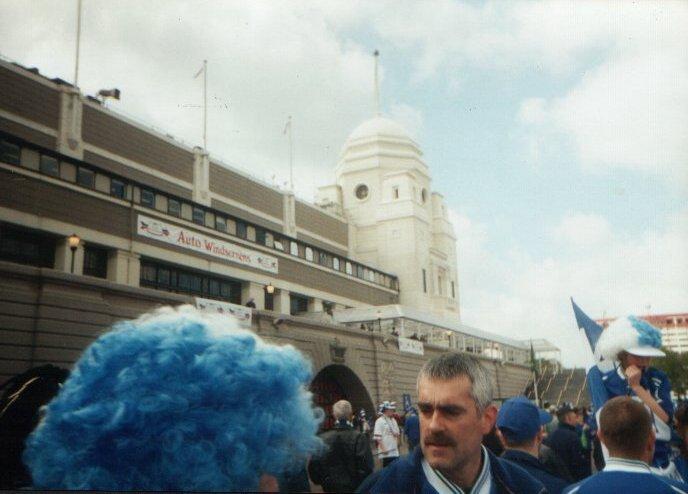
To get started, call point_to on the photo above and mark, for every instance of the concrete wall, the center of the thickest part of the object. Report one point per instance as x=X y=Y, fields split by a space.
x=48 y=316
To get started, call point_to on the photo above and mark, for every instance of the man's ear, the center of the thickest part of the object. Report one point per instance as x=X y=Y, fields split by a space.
x=488 y=419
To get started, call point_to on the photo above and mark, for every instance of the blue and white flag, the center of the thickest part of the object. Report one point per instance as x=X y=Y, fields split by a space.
x=591 y=328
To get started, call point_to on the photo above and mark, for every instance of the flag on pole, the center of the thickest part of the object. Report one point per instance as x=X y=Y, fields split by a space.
x=200 y=71
x=287 y=126
x=534 y=370
x=591 y=328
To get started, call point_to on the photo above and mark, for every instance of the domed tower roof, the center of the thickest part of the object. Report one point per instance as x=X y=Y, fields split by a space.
x=376 y=137
x=378 y=127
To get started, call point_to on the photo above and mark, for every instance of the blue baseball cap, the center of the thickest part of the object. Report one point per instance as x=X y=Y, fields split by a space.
x=519 y=419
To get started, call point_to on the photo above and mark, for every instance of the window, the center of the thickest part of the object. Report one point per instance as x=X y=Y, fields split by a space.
x=371 y=276
x=440 y=285
x=279 y=245
x=269 y=300
x=425 y=283
x=395 y=192
x=86 y=177
x=423 y=195
x=294 y=248
x=171 y=278
x=323 y=259
x=261 y=236
x=241 y=229
x=49 y=166
x=220 y=224
x=361 y=192
x=174 y=207
x=9 y=153
x=309 y=254
x=335 y=263
x=198 y=216
x=452 y=290
x=349 y=268
x=26 y=247
x=95 y=261
x=297 y=304
x=359 y=271
x=117 y=188
x=147 y=198
x=164 y=277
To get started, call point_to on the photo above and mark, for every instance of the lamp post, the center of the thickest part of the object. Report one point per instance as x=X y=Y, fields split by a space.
x=269 y=289
x=73 y=241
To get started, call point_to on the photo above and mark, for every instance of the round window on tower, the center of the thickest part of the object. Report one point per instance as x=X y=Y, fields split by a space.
x=361 y=191
x=423 y=195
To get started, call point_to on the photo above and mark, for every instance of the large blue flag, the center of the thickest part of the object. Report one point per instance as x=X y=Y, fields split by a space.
x=591 y=328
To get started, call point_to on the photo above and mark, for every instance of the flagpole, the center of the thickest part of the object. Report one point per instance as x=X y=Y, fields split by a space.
x=376 y=54
x=78 y=44
x=291 y=156
x=205 y=105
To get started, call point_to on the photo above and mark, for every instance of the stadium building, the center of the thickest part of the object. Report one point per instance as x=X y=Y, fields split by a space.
x=102 y=218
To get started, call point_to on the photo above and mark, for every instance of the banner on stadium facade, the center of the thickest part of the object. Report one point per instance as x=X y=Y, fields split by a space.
x=407 y=345
x=188 y=239
x=241 y=313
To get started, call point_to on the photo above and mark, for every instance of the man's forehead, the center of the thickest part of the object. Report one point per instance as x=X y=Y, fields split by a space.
x=457 y=390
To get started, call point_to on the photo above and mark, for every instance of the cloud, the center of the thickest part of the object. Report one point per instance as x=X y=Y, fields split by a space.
x=606 y=273
x=266 y=60
x=629 y=111
x=583 y=231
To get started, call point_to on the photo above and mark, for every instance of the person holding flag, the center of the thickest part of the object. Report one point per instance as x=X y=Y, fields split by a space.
x=623 y=354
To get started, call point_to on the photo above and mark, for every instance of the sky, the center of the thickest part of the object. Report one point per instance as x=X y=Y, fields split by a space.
x=556 y=131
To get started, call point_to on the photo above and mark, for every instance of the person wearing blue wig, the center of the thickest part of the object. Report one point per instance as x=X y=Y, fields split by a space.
x=177 y=400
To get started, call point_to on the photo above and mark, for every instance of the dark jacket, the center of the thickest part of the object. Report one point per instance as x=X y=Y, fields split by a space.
x=346 y=462
x=412 y=430
x=532 y=465
x=554 y=465
x=566 y=444
x=406 y=476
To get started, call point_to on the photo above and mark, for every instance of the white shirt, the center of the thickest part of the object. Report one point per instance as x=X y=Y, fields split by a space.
x=443 y=485
x=386 y=431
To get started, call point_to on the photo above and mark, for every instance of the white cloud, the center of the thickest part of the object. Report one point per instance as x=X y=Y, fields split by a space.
x=266 y=60
x=522 y=297
x=583 y=231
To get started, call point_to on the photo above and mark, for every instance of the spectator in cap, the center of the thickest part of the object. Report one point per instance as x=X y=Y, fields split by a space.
x=627 y=431
x=520 y=428
x=624 y=352
x=386 y=434
x=177 y=400
x=565 y=442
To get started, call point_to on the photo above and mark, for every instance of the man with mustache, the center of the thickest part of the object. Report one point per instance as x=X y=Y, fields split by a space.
x=455 y=410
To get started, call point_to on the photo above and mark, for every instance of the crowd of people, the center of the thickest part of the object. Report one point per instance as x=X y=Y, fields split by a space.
x=180 y=400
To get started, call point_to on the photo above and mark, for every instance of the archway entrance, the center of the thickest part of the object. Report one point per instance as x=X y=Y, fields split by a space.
x=338 y=382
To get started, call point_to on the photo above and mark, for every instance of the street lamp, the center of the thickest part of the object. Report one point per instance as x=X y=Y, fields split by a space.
x=73 y=241
x=269 y=288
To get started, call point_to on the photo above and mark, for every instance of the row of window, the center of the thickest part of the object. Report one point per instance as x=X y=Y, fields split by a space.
x=31 y=248
x=90 y=178
x=171 y=278
x=440 y=285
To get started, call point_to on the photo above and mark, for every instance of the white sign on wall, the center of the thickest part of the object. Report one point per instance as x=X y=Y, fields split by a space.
x=188 y=239
x=407 y=345
x=241 y=313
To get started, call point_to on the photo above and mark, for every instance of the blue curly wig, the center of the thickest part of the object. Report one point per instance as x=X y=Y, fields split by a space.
x=648 y=335
x=177 y=400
